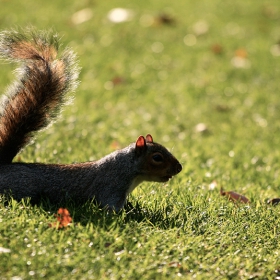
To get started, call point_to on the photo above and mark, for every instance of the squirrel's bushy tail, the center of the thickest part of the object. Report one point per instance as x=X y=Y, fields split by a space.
x=34 y=100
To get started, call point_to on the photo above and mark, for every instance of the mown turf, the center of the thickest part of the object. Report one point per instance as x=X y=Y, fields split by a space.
x=173 y=66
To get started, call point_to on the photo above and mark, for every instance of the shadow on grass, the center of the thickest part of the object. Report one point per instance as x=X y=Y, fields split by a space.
x=90 y=213
x=167 y=215
x=159 y=216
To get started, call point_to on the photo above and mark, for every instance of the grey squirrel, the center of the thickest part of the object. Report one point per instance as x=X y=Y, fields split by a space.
x=33 y=102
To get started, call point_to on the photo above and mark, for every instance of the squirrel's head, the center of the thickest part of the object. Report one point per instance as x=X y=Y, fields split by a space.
x=157 y=163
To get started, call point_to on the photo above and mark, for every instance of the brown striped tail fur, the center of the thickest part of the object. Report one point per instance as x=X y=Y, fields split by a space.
x=35 y=98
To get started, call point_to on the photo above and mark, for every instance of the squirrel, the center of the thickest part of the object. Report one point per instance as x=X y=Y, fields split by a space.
x=33 y=102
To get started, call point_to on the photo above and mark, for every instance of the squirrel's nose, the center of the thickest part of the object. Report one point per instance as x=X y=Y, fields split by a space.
x=178 y=167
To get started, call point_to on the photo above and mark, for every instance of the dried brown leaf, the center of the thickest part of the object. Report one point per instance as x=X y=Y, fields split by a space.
x=234 y=197
x=63 y=218
x=274 y=201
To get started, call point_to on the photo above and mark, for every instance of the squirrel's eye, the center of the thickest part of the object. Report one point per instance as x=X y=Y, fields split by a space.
x=158 y=157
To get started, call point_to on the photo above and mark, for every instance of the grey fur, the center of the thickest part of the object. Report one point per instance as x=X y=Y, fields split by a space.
x=30 y=106
x=108 y=180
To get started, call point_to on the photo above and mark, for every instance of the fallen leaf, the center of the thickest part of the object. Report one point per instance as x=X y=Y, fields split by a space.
x=107 y=244
x=240 y=59
x=165 y=19
x=118 y=80
x=213 y=185
x=222 y=108
x=217 y=49
x=274 y=201
x=120 y=252
x=4 y=250
x=63 y=218
x=240 y=62
x=234 y=197
x=201 y=27
x=119 y=15
x=175 y=264
x=81 y=16
x=241 y=53
x=201 y=128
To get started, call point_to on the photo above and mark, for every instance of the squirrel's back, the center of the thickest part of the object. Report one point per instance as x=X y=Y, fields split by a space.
x=34 y=100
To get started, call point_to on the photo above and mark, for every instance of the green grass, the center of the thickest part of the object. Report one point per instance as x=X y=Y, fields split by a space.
x=181 y=230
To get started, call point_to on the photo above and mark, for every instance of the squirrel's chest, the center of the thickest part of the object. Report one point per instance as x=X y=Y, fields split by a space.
x=135 y=182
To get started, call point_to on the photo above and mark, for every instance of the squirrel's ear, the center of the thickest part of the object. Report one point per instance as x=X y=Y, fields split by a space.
x=140 y=144
x=149 y=138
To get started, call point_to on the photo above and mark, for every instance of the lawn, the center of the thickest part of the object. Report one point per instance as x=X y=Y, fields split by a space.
x=203 y=78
